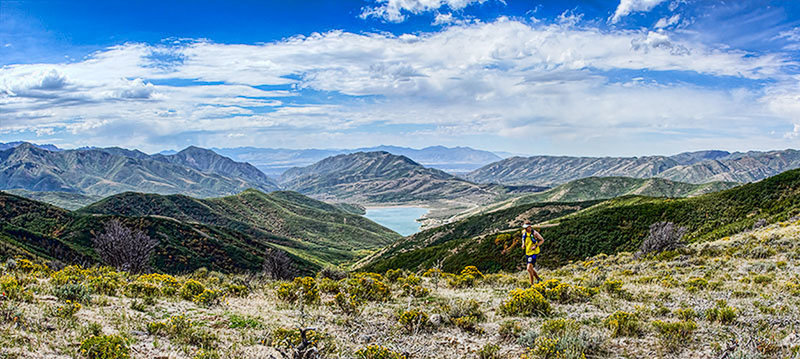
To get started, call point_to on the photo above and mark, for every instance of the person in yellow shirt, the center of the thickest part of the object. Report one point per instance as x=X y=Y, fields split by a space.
x=531 y=240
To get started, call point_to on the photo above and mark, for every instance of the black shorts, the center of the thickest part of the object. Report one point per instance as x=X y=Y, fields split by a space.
x=530 y=259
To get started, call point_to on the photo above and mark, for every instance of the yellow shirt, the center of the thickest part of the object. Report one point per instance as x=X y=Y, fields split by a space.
x=530 y=243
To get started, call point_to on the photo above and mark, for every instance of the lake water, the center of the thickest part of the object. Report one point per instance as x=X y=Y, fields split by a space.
x=402 y=220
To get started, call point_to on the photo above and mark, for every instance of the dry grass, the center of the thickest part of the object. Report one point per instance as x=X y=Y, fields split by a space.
x=756 y=273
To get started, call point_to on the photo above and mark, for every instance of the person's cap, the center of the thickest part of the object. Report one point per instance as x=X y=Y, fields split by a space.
x=526 y=225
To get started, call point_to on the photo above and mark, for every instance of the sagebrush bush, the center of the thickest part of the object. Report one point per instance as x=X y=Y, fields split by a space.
x=413 y=320
x=378 y=352
x=75 y=292
x=345 y=303
x=182 y=330
x=208 y=297
x=367 y=287
x=288 y=338
x=462 y=281
x=721 y=312
x=416 y=291
x=672 y=334
x=622 y=324
x=330 y=286
x=167 y=284
x=489 y=351
x=555 y=290
x=140 y=289
x=105 y=347
x=12 y=289
x=392 y=275
x=302 y=289
x=560 y=338
x=191 y=288
x=509 y=330
x=685 y=313
x=68 y=309
x=525 y=302
x=695 y=284
x=473 y=271
x=332 y=273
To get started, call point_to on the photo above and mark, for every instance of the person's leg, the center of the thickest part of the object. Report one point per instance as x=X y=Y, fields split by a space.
x=532 y=265
x=531 y=273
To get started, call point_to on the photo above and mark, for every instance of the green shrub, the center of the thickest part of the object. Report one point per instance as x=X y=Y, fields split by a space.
x=74 y=292
x=416 y=291
x=237 y=290
x=509 y=330
x=68 y=309
x=139 y=289
x=345 y=303
x=614 y=287
x=695 y=284
x=304 y=289
x=367 y=287
x=183 y=331
x=685 y=313
x=413 y=320
x=12 y=289
x=332 y=273
x=238 y=321
x=525 y=302
x=473 y=271
x=489 y=351
x=330 y=286
x=378 y=352
x=410 y=279
x=208 y=297
x=191 y=288
x=672 y=334
x=392 y=275
x=622 y=324
x=462 y=281
x=721 y=313
x=555 y=290
x=289 y=338
x=560 y=338
x=105 y=347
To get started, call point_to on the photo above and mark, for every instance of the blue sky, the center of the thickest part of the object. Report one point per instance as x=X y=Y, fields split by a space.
x=613 y=77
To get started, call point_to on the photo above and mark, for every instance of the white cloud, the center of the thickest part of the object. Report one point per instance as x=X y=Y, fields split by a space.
x=393 y=10
x=626 y=7
x=504 y=78
x=667 y=22
x=442 y=19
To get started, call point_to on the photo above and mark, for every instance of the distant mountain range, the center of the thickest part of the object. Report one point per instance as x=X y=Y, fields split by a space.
x=105 y=171
x=380 y=177
x=274 y=161
x=229 y=234
x=691 y=167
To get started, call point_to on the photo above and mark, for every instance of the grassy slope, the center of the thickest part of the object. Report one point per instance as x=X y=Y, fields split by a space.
x=66 y=200
x=314 y=230
x=422 y=249
x=48 y=232
x=593 y=188
x=621 y=224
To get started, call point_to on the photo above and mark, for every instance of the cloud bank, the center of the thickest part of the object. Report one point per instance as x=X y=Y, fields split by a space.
x=502 y=81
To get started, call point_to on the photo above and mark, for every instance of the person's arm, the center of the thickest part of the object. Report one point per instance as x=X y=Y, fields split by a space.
x=539 y=238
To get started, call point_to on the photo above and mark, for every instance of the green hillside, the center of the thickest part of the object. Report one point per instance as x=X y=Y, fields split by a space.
x=592 y=188
x=66 y=200
x=317 y=231
x=613 y=226
x=38 y=230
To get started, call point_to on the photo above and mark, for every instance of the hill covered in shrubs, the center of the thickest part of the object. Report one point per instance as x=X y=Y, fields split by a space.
x=608 y=227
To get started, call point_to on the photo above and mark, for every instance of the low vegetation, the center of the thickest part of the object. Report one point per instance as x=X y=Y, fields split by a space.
x=734 y=297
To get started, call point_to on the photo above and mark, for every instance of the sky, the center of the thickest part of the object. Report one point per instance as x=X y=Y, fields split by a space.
x=591 y=78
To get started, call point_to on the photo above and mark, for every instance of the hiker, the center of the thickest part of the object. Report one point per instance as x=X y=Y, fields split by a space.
x=529 y=235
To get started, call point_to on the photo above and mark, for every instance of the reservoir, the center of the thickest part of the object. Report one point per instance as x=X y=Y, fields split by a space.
x=402 y=220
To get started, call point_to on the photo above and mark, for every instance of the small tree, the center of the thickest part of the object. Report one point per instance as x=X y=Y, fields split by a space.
x=124 y=248
x=664 y=236
x=278 y=265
